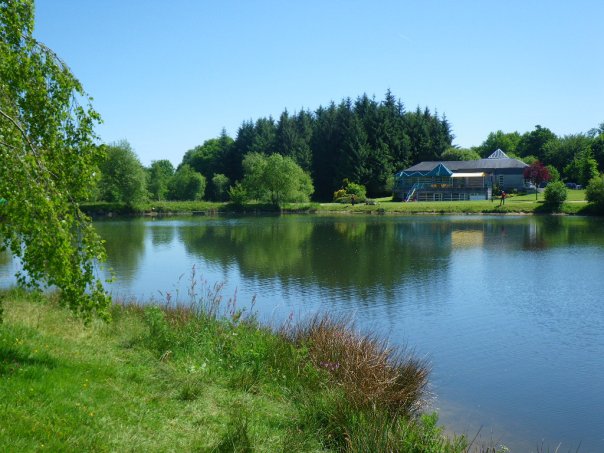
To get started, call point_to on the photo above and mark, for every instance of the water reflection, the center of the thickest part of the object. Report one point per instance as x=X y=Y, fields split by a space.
x=125 y=245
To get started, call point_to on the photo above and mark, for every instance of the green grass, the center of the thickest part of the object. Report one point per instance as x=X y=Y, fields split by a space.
x=212 y=380
x=515 y=204
x=572 y=195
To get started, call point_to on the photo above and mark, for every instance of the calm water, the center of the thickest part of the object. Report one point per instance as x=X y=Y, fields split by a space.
x=509 y=310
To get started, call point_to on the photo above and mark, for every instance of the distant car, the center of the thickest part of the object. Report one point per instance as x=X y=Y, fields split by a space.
x=571 y=185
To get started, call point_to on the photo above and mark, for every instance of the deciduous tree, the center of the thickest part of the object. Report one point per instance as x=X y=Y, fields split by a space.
x=186 y=184
x=275 y=179
x=48 y=164
x=594 y=192
x=536 y=173
x=123 y=178
x=160 y=173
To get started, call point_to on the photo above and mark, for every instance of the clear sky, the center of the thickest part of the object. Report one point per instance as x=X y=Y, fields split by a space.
x=168 y=75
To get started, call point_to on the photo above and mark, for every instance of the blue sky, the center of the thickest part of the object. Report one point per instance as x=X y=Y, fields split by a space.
x=167 y=76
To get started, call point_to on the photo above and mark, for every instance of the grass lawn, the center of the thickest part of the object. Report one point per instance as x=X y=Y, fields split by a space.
x=515 y=204
x=157 y=380
x=572 y=195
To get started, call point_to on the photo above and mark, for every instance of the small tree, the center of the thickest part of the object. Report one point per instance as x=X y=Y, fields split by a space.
x=238 y=193
x=594 y=192
x=582 y=168
x=348 y=190
x=186 y=184
x=554 y=174
x=536 y=173
x=220 y=186
x=123 y=178
x=555 y=195
x=275 y=179
x=160 y=173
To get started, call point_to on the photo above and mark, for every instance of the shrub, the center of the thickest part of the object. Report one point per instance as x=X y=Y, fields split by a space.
x=339 y=194
x=555 y=195
x=238 y=193
x=350 y=189
x=594 y=192
x=357 y=190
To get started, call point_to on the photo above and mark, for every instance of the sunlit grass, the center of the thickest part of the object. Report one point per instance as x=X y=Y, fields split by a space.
x=204 y=378
x=514 y=204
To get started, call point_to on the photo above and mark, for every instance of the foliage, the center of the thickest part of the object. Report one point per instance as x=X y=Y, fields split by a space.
x=554 y=175
x=363 y=140
x=529 y=160
x=594 y=192
x=597 y=147
x=582 y=168
x=533 y=143
x=499 y=140
x=48 y=165
x=357 y=190
x=123 y=178
x=186 y=184
x=453 y=154
x=238 y=193
x=275 y=179
x=350 y=190
x=220 y=187
x=209 y=158
x=536 y=173
x=555 y=195
x=160 y=173
x=560 y=152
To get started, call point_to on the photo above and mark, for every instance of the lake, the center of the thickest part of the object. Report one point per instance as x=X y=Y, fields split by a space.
x=509 y=310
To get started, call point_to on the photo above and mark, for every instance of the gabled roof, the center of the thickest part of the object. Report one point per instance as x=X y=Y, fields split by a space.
x=479 y=165
x=498 y=154
x=440 y=170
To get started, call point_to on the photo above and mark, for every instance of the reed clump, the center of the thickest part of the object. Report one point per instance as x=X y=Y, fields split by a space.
x=372 y=373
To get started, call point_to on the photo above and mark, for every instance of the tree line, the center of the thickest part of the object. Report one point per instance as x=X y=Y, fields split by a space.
x=362 y=142
x=574 y=158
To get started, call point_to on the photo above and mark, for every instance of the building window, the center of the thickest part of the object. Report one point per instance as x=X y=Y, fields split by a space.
x=500 y=180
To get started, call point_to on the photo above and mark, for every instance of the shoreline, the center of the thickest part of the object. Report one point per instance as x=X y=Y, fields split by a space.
x=171 y=209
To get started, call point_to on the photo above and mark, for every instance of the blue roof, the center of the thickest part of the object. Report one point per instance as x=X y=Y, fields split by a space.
x=440 y=170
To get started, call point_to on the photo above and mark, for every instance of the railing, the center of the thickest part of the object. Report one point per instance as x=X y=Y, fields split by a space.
x=410 y=194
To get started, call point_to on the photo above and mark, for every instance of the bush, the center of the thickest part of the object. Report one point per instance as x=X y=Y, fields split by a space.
x=555 y=195
x=594 y=192
x=350 y=189
x=339 y=194
x=238 y=193
x=357 y=190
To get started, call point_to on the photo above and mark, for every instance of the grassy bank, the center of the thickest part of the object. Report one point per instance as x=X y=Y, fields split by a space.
x=521 y=204
x=210 y=379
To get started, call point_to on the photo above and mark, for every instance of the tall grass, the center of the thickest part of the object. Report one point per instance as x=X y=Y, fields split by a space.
x=319 y=385
x=352 y=390
x=372 y=373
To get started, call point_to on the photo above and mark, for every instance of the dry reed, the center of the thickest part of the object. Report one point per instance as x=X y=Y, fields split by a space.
x=372 y=373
